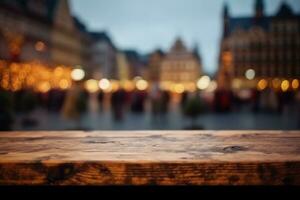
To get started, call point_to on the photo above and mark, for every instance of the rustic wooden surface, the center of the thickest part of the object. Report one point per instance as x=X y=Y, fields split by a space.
x=150 y=158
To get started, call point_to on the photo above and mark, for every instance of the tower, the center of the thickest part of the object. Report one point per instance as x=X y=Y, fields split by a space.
x=259 y=8
x=225 y=20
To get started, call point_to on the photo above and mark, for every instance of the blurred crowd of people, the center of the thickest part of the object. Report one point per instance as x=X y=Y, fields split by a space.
x=72 y=104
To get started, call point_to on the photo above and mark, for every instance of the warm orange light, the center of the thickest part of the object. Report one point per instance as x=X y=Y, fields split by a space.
x=295 y=84
x=285 y=85
x=91 y=85
x=127 y=85
x=114 y=85
x=262 y=84
x=58 y=71
x=64 y=84
x=141 y=84
x=44 y=87
x=178 y=88
x=40 y=46
x=34 y=75
x=276 y=83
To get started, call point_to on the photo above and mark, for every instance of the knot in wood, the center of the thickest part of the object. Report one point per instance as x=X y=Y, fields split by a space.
x=233 y=149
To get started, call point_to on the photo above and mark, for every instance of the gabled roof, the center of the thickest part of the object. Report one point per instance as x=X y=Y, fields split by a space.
x=131 y=54
x=134 y=56
x=80 y=25
x=246 y=23
x=102 y=37
x=285 y=11
x=179 y=46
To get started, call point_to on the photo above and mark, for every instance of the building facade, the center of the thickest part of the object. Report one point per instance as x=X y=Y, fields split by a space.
x=154 y=65
x=137 y=63
x=180 y=66
x=39 y=30
x=259 y=48
x=103 y=56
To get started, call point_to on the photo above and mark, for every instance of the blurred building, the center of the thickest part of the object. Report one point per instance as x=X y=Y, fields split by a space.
x=123 y=67
x=42 y=30
x=86 y=51
x=154 y=65
x=180 y=66
x=259 y=48
x=137 y=64
x=103 y=56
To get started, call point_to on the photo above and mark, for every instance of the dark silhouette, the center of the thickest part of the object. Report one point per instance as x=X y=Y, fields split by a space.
x=138 y=101
x=117 y=104
x=100 y=98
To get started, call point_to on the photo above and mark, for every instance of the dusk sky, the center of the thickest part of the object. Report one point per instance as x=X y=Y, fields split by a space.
x=146 y=25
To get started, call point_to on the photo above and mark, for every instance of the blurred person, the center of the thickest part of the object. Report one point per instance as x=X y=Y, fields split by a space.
x=272 y=101
x=165 y=102
x=138 y=101
x=29 y=102
x=6 y=111
x=286 y=101
x=255 y=97
x=55 y=100
x=76 y=103
x=194 y=107
x=297 y=101
x=223 y=100
x=100 y=98
x=117 y=104
x=184 y=98
x=155 y=95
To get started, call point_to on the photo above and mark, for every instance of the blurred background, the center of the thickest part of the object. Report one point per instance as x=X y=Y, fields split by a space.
x=141 y=65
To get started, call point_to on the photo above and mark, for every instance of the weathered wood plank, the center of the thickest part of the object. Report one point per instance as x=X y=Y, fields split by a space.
x=150 y=157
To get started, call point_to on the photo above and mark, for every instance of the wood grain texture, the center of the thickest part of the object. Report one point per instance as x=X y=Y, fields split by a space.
x=150 y=158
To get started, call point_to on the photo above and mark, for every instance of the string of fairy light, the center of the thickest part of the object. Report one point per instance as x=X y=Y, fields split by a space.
x=42 y=78
x=34 y=75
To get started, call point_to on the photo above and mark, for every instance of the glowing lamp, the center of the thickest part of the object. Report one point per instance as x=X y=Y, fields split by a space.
x=250 y=74
x=77 y=74
x=203 y=82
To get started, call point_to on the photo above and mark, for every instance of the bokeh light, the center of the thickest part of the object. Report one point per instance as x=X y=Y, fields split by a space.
x=203 y=82
x=91 y=85
x=276 y=83
x=250 y=74
x=77 y=74
x=262 y=84
x=64 y=84
x=141 y=84
x=178 y=88
x=285 y=85
x=295 y=84
x=104 y=84
x=40 y=46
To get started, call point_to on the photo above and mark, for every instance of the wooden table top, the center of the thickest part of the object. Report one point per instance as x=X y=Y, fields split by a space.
x=150 y=158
